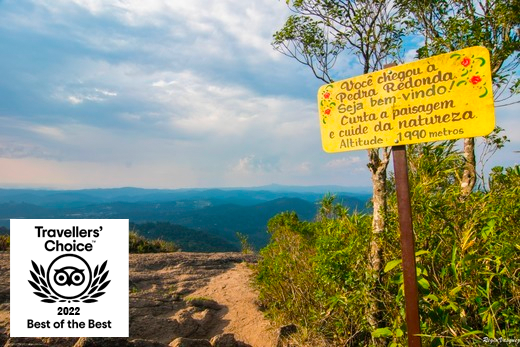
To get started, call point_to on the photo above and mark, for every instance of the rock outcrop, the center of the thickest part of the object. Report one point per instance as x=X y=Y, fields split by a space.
x=176 y=299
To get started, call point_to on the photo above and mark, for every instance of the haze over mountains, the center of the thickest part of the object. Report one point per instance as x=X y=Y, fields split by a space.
x=196 y=219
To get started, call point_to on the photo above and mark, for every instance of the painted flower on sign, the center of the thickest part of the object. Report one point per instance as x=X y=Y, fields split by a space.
x=475 y=79
x=471 y=67
x=326 y=103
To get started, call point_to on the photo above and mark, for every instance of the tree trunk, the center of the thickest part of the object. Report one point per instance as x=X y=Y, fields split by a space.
x=377 y=166
x=469 y=175
x=378 y=217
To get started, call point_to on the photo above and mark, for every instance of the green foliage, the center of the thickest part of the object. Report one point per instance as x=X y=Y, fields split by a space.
x=449 y=25
x=468 y=264
x=467 y=252
x=319 y=31
x=188 y=240
x=313 y=274
x=4 y=242
x=140 y=244
x=245 y=246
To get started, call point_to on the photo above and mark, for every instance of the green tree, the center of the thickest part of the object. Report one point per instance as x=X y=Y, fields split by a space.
x=449 y=25
x=316 y=35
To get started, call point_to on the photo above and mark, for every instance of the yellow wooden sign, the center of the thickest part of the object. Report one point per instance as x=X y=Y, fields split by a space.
x=448 y=96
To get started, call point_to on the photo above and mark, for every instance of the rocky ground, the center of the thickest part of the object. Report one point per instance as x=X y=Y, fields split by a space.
x=176 y=299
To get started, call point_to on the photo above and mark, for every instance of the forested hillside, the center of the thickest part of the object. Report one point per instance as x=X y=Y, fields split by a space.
x=196 y=220
x=187 y=240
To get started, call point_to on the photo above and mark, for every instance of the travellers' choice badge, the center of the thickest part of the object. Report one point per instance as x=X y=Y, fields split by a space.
x=69 y=278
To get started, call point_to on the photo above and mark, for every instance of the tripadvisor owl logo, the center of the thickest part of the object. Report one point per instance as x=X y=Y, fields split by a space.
x=69 y=278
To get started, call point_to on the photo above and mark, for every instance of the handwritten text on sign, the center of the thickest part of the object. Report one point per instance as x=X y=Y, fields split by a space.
x=448 y=96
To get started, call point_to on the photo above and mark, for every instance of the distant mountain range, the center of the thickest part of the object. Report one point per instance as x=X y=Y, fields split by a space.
x=179 y=213
x=84 y=197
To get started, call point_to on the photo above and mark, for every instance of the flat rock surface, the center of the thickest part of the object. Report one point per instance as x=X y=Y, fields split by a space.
x=191 y=295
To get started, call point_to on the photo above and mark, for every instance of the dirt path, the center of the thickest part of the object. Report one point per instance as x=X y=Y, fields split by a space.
x=242 y=317
x=192 y=295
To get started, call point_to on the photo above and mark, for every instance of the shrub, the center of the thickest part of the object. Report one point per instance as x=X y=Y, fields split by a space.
x=468 y=265
x=245 y=246
x=139 y=244
x=4 y=242
x=315 y=273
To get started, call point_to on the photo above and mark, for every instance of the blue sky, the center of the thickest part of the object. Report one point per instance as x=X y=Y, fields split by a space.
x=164 y=94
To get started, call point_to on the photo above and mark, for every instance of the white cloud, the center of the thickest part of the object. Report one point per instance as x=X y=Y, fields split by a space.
x=410 y=55
x=162 y=83
x=53 y=133
x=105 y=92
x=253 y=164
x=411 y=45
x=303 y=167
x=245 y=25
x=95 y=96
x=74 y=100
x=15 y=149
x=164 y=93
x=245 y=165
x=342 y=163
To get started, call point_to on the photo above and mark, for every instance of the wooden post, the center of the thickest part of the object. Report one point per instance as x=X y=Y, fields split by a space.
x=407 y=246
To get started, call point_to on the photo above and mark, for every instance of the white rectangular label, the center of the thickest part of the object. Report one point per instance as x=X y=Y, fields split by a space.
x=69 y=278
